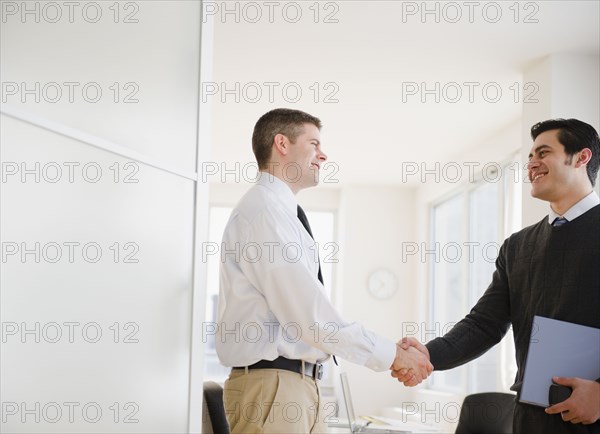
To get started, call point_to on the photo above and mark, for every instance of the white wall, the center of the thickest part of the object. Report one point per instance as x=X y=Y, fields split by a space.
x=145 y=368
x=374 y=221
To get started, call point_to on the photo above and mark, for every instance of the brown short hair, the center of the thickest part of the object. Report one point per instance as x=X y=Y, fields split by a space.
x=279 y=121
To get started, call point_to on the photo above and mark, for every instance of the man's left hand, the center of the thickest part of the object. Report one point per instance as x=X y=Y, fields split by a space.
x=583 y=406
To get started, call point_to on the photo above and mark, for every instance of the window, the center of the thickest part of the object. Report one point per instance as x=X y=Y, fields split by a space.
x=467 y=230
x=322 y=225
x=449 y=296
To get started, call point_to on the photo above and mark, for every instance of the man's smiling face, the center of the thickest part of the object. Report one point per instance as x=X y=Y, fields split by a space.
x=307 y=157
x=551 y=171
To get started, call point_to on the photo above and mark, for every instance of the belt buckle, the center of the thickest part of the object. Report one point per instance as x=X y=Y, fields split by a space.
x=318 y=371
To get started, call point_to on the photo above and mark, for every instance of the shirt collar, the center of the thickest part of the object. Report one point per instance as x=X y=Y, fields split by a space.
x=581 y=207
x=280 y=189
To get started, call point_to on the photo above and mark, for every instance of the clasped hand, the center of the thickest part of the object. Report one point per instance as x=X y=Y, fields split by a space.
x=412 y=364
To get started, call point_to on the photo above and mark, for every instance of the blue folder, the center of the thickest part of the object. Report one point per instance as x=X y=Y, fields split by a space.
x=558 y=349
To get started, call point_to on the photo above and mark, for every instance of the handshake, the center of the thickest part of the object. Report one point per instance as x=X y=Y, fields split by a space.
x=411 y=365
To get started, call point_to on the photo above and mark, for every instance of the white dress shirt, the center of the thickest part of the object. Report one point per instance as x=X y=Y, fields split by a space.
x=271 y=302
x=581 y=207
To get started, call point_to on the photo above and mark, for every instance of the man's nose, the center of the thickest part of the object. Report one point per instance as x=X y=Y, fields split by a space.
x=321 y=156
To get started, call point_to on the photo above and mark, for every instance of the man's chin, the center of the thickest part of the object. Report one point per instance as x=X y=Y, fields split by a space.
x=313 y=181
x=538 y=194
x=307 y=184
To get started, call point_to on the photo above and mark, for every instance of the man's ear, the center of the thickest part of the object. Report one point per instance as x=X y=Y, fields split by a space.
x=585 y=155
x=281 y=144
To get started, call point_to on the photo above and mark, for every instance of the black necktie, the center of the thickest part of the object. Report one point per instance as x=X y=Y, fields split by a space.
x=304 y=221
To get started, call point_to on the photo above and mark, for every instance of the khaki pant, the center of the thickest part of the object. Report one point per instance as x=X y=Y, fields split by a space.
x=272 y=401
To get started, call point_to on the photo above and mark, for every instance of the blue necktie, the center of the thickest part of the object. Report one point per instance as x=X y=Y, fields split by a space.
x=559 y=221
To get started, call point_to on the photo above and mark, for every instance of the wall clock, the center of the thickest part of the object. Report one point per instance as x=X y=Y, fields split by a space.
x=382 y=284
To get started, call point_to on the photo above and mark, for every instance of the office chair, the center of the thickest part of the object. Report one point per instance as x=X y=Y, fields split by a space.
x=216 y=422
x=486 y=413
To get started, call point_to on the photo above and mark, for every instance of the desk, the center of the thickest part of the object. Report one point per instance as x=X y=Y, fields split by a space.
x=395 y=426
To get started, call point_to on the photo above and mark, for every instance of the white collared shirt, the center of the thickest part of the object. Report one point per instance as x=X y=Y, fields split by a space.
x=271 y=302
x=580 y=208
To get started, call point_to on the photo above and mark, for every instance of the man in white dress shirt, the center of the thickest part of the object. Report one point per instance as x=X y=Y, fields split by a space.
x=276 y=323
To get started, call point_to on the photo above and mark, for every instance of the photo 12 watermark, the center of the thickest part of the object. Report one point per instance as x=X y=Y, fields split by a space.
x=61 y=172
x=70 y=92
x=71 y=252
x=450 y=252
x=90 y=412
x=472 y=92
x=269 y=251
x=248 y=172
x=252 y=92
x=451 y=12
x=430 y=413
x=453 y=172
x=252 y=12
x=51 y=12
x=71 y=332
x=253 y=332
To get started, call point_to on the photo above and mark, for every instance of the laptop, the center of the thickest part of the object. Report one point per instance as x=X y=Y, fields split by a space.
x=377 y=425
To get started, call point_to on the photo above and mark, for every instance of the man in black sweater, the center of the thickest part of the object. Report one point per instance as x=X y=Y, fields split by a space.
x=551 y=269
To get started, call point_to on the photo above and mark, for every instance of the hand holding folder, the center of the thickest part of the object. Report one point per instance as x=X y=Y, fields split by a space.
x=583 y=403
x=558 y=393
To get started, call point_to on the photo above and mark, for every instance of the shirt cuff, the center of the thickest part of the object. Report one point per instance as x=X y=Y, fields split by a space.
x=384 y=354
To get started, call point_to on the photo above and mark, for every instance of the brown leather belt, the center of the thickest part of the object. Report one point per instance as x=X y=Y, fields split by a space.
x=313 y=370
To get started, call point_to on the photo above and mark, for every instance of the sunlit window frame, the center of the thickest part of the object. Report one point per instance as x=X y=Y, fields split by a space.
x=509 y=202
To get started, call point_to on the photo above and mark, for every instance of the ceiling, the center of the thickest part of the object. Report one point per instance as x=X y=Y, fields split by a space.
x=369 y=68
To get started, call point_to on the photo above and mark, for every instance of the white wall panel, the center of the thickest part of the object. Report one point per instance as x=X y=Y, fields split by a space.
x=143 y=127
x=151 y=52
x=146 y=371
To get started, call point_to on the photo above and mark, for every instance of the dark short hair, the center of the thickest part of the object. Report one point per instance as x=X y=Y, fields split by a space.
x=279 y=121
x=574 y=135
